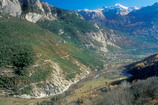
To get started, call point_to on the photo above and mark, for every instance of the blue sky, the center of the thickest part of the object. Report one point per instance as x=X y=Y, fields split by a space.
x=94 y=4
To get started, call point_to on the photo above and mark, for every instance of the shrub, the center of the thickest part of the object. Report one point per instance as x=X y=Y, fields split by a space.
x=52 y=101
x=138 y=93
x=145 y=90
x=119 y=96
x=26 y=90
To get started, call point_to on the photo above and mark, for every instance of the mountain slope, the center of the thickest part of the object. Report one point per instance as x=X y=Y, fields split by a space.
x=138 y=23
x=67 y=24
x=37 y=63
x=145 y=68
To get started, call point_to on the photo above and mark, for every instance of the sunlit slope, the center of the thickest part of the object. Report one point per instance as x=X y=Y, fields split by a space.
x=29 y=54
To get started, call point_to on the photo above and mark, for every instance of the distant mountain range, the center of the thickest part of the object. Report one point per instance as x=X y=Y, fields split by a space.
x=141 y=23
x=117 y=9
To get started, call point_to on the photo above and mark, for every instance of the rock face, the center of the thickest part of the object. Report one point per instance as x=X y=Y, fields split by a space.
x=12 y=7
x=101 y=41
x=32 y=10
x=92 y=15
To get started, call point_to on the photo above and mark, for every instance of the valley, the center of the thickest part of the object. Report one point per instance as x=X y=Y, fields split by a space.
x=89 y=87
x=53 y=56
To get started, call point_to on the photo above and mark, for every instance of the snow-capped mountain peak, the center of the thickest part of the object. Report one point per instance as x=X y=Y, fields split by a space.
x=107 y=11
x=88 y=10
x=120 y=6
x=120 y=9
x=117 y=9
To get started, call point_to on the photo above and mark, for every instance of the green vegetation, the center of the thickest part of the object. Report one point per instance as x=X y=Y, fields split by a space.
x=72 y=26
x=17 y=82
x=89 y=58
x=26 y=90
x=18 y=56
x=73 y=29
x=39 y=76
x=25 y=44
x=52 y=101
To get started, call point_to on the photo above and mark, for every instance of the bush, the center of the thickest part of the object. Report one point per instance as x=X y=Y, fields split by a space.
x=119 y=96
x=139 y=93
x=145 y=90
x=26 y=90
x=52 y=101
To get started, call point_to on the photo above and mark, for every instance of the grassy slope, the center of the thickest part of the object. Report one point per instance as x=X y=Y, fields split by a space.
x=45 y=46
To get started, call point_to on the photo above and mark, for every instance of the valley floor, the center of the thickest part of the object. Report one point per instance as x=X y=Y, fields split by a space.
x=87 y=88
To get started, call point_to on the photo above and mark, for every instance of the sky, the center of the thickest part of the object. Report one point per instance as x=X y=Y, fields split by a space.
x=94 y=4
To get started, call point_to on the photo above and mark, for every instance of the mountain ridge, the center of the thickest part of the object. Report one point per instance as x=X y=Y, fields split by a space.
x=35 y=11
x=118 y=8
x=38 y=12
x=140 y=24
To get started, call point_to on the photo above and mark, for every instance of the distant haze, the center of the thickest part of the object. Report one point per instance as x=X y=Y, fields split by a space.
x=94 y=4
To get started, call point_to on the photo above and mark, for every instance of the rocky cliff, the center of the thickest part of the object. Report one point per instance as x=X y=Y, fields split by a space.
x=32 y=10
